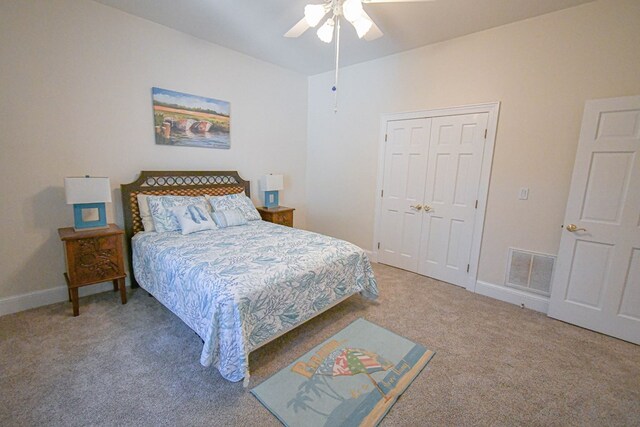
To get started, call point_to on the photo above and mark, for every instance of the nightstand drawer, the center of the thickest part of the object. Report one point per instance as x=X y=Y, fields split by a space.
x=283 y=218
x=93 y=256
x=95 y=259
x=279 y=215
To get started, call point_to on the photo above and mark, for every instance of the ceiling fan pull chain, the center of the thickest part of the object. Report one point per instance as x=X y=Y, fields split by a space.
x=335 y=85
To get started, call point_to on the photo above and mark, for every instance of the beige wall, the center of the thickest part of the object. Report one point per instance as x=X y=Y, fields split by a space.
x=542 y=70
x=75 y=91
x=75 y=80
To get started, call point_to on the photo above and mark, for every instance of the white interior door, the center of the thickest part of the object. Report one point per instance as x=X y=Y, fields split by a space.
x=403 y=187
x=450 y=196
x=597 y=279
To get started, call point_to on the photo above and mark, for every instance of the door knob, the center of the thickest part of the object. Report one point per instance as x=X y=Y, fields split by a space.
x=573 y=228
x=427 y=208
x=416 y=207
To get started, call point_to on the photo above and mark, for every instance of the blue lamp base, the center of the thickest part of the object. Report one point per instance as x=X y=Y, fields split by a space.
x=271 y=199
x=89 y=216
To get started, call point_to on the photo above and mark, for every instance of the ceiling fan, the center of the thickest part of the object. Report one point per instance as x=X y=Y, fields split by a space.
x=350 y=10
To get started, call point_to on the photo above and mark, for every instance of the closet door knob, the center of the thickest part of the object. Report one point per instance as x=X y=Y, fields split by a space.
x=416 y=207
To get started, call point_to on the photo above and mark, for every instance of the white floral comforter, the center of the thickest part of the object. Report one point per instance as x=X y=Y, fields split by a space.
x=240 y=286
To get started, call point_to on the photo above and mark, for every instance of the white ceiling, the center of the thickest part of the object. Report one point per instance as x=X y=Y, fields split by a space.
x=255 y=27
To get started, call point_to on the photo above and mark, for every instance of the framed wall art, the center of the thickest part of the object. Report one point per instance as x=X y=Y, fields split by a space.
x=181 y=119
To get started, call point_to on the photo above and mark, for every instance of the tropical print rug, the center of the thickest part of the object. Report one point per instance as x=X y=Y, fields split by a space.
x=352 y=379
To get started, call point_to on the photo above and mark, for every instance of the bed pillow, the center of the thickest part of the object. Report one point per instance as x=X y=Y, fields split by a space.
x=145 y=213
x=160 y=207
x=232 y=201
x=229 y=218
x=193 y=218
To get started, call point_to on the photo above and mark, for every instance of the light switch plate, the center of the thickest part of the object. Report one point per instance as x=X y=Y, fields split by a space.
x=524 y=193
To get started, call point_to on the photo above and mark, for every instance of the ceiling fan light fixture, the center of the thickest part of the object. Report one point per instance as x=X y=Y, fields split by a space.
x=314 y=13
x=325 y=33
x=352 y=10
x=362 y=25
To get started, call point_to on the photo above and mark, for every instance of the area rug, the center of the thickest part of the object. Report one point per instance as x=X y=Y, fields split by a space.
x=351 y=379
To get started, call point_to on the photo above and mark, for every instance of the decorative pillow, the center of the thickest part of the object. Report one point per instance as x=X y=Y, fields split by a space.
x=160 y=208
x=193 y=218
x=145 y=213
x=231 y=201
x=229 y=217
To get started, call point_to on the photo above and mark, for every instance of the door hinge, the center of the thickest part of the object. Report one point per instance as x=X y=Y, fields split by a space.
x=476 y=204
x=485 y=134
x=378 y=245
x=467 y=268
x=381 y=193
x=385 y=137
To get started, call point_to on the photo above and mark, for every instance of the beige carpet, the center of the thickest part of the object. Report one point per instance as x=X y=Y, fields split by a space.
x=137 y=364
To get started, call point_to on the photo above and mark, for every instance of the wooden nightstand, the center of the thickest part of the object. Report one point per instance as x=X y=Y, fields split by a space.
x=93 y=256
x=279 y=215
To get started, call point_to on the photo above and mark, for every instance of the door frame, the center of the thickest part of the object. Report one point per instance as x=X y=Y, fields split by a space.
x=492 y=109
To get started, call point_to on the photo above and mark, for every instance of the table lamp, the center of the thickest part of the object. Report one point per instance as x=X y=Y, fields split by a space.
x=271 y=184
x=88 y=196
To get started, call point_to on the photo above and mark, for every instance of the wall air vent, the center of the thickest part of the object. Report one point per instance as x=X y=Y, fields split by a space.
x=530 y=271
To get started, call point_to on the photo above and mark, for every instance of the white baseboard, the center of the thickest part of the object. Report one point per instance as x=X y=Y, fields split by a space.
x=45 y=297
x=51 y=296
x=503 y=293
x=514 y=296
x=373 y=257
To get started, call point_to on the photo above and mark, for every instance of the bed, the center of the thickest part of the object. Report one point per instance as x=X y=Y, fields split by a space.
x=239 y=287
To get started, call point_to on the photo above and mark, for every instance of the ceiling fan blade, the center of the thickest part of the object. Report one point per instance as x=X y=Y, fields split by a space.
x=298 y=29
x=374 y=32
x=393 y=1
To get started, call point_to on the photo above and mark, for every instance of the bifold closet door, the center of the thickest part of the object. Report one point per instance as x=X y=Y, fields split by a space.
x=406 y=147
x=450 y=196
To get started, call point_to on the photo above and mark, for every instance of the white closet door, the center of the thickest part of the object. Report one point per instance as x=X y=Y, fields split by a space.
x=403 y=187
x=451 y=191
x=597 y=279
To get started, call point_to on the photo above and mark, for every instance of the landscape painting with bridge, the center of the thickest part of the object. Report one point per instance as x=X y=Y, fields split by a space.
x=188 y=120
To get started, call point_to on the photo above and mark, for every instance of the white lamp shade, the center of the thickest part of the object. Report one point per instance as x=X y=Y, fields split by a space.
x=272 y=182
x=362 y=25
x=325 y=33
x=313 y=13
x=352 y=10
x=87 y=190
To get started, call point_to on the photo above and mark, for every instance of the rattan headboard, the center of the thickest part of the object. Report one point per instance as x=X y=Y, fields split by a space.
x=181 y=183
